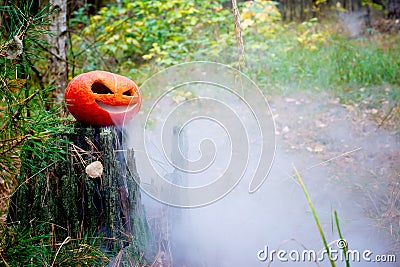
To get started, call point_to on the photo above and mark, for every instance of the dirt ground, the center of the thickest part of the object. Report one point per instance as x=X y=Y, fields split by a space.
x=348 y=156
x=358 y=147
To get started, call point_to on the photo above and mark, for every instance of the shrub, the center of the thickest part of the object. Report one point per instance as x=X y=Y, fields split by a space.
x=165 y=32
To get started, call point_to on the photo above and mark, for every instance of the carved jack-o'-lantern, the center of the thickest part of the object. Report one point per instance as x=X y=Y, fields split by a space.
x=102 y=98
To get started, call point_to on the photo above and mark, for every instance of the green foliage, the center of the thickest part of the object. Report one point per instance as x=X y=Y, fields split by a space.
x=260 y=18
x=23 y=32
x=365 y=63
x=344 y=245
x=164 y=32
x=138 y=39
x=313 y=56
x=23 y=246
x=43 y=145
x=27 y=114
x=319 y=226
x=310 y=203
x=29 y=122
x=372 y=4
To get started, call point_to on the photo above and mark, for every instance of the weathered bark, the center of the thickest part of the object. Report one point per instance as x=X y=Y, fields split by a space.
x=58 y=71
x=67 y=197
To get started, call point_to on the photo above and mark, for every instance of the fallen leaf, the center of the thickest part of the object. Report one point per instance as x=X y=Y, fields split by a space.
x=290 y=100
x=285 y=130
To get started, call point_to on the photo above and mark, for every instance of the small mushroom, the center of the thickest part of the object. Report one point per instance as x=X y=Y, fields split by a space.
x=94 y=169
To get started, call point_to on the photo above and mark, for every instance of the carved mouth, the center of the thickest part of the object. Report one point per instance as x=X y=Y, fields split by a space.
x=116 y=109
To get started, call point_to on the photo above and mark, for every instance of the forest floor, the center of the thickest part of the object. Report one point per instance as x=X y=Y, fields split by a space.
x=348 y=156
x=359 y=146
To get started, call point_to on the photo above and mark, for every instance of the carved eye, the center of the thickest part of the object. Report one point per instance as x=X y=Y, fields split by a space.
x=99 y=88
x=129 y=92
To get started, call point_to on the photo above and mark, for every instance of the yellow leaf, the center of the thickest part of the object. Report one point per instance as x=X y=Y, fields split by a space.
x=139 y=23
x=132 y=41
x=147 y=57
x=247 y=23
x=246 y=15
x=96 y=18
x=108 y=28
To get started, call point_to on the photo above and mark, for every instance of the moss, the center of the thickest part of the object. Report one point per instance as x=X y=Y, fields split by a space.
x=63 y=194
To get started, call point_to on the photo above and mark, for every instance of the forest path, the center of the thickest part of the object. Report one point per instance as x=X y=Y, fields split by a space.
x=355 y=151
x=348 y=164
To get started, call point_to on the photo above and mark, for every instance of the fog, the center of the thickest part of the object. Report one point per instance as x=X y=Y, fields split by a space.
x=231 y=231
x=241 y=228
x=353 y=22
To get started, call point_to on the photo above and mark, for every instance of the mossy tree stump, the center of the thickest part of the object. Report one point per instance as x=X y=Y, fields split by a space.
x=74 y=204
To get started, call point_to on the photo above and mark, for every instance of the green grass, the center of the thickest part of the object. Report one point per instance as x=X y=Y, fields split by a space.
x=321 y=232
x=339 y=64
x=25 y=246
x=344 y=248
x=319 y=57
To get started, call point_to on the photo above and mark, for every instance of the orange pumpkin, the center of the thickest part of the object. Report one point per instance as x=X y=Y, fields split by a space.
x=102 y=98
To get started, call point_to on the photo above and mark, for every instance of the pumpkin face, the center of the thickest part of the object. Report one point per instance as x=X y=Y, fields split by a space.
x=101 y=98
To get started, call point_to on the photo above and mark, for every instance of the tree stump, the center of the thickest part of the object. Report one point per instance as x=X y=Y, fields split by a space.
x=74 y=204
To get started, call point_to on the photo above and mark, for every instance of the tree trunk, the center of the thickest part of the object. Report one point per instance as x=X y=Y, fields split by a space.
x=66 y=196
x=58 y=71
x=301 y=16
